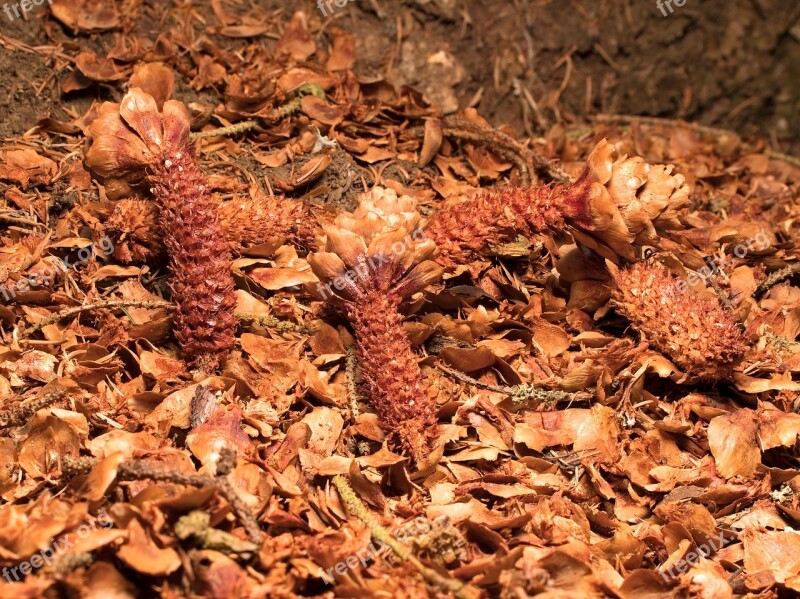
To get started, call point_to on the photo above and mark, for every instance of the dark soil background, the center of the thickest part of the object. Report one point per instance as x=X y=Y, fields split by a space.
x=527 y=63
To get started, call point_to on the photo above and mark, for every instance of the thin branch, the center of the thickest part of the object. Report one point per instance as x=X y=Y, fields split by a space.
x=352 y=388
x=102 y=305
x=234 y=129
x=357 y=508
x=777 y=277
x=520 y=394
x=265 y=321
x=21 y=414
x=277 y=324
x=138 y=470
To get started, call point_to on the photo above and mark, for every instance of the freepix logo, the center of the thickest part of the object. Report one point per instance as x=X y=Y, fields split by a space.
x=57 y=546
x=19 y=9
x=664 y=5
x=328 y=7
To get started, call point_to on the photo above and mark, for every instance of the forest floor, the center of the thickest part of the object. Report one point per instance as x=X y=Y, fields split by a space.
x=606 y=348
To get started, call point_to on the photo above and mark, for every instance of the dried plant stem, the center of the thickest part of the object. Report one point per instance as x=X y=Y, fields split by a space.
x=357 y=508
x=777 y=277
x=102 y=305
x=277 y=324
x=265 y=321
x=137 y=470
x=234 y=129
x=525 y=159
x=352 y=388
x=789 y=159
x=21 y=414
x=290 y=107
x=520 y=394
x=656 y=121
x=674 y=123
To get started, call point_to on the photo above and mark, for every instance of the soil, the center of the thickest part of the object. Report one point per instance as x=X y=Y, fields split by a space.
x=732 y=64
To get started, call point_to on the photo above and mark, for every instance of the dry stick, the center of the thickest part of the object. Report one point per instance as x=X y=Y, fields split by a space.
x=137 y=470
x=721 y=295
x=352 y=388
x=224 y=466
x=21 y=414
x=525 y=159
x=533 y=158
x=290 y=107
x=673 y=123
x=105 y=304
x=655 y=121
x=777 y=277
x=224 y=131
x=266 y=321
x=353 y=396
x=519 y=393
x=284 y=326
x=357 y=508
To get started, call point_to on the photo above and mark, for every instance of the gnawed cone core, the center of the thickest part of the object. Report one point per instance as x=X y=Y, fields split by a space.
x=374 y=258
x=133 y=145
x=613 y=205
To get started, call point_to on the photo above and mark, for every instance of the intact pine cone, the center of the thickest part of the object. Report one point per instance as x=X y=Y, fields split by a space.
x=132 y=144
x=373 y=259
x=697 y=334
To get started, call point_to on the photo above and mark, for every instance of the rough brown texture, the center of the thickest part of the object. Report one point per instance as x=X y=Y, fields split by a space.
x=375 y=258
x=202 y=285
x=133 y=146
x=697 y=334
x=614 y=203
x=252 y=221
x=135 y=230
x=391 y=373
x=465 y=230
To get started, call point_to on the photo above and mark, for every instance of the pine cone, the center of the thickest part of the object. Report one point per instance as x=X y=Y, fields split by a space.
x=611 y=206
x=615 y=203
x=373 y=259
x=697 y=334
x=135 y=230
x=132 y=144
x=253 y=221
x=463 y=231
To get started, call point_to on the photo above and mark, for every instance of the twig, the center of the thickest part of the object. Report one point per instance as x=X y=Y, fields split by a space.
x=520 y=394
x=270 y=322
x=21 y=414
x=526 y=160
x=234 y=129
x=225 y=465
x=673 y=123
x=266 y=321
x=793 y=160
x=655 y=121
x=137 y=470
x=102 y=305
x=777 y=277
x=357 y=508
x=352 y=388
x=290 y=107
x=724 y=300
